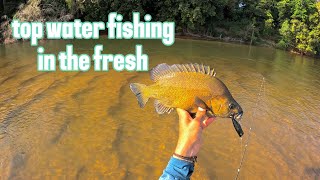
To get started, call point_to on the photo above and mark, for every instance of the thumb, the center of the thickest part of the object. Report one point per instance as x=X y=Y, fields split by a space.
x=200 y=114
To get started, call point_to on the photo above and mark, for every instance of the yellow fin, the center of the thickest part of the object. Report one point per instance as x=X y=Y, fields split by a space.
x=162 y=71
x=137 y=89
x=161 y=108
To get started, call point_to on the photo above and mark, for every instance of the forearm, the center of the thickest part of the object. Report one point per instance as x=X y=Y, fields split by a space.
x=181 y=165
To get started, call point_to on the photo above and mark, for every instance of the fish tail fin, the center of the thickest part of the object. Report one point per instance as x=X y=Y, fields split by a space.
x=139 y=91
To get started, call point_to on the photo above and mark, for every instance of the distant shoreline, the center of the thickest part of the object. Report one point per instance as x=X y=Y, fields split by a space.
x=236 y=41
x=194 y=37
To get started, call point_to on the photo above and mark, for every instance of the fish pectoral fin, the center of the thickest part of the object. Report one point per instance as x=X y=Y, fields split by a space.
x=200 y=103
x=161 y=108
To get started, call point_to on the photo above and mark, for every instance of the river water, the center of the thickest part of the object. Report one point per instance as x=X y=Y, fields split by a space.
x=88 y=125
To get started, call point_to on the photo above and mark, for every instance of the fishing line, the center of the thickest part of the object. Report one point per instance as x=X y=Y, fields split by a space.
x=244 y=150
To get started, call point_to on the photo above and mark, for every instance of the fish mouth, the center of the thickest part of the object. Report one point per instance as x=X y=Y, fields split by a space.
x=238 y=116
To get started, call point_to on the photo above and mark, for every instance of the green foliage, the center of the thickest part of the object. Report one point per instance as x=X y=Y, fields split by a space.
x=293 y=24
x=299 y=25
x=282 y=45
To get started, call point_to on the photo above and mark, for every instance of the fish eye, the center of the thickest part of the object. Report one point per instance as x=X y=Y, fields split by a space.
x=231 y=106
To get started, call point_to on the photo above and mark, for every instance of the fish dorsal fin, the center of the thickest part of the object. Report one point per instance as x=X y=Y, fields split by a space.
x=160 y=108
x=164 y=70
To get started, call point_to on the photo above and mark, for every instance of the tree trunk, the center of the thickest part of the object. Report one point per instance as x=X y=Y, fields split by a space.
x=2 y=6
x=252 y=37
x=73 y=7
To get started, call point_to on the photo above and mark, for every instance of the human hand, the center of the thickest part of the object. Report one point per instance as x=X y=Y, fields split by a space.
x=190 y=131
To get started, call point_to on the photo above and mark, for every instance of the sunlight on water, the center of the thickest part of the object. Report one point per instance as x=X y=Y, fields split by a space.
x=89 y=125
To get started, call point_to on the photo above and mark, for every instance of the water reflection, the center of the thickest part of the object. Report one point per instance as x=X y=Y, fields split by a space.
x=88 y=125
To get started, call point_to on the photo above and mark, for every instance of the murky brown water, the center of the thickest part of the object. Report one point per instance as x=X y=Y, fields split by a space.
x=63 y=125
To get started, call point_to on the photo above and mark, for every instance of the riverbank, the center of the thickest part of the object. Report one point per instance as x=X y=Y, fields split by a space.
x=32 y=11
x=262 y=42
x=265 y=43
x=6 y=37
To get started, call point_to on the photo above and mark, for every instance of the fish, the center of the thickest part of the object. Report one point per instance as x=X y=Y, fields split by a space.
x=189 y=86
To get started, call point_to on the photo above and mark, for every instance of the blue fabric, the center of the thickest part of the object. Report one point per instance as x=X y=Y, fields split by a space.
x=177 y=169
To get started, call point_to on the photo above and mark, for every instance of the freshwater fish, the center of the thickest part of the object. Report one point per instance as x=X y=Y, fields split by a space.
x=188 y=86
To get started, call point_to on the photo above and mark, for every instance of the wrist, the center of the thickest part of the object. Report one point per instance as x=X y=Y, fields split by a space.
x=191 y=159
x=182 y=152
x=185 y=151
x=181 y=159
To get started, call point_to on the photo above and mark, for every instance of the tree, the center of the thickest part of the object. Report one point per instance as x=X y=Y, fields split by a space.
x=2 y=5
x=299 y=25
